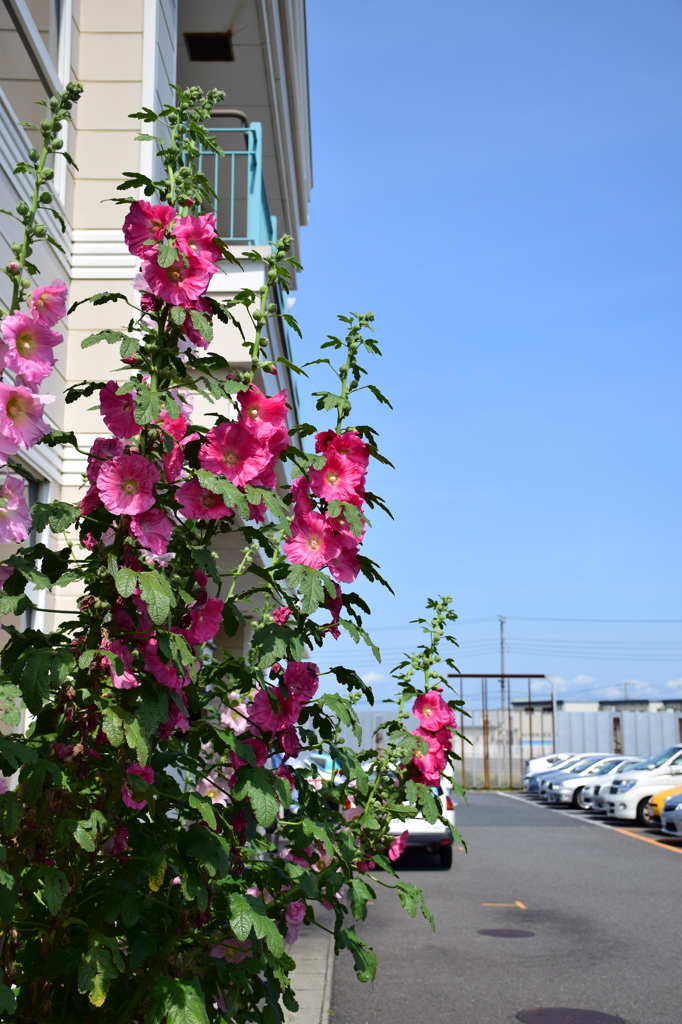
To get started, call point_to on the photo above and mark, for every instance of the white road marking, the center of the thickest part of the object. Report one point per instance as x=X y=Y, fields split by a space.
x=567 y=814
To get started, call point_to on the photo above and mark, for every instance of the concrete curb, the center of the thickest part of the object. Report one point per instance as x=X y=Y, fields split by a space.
x=312 y=979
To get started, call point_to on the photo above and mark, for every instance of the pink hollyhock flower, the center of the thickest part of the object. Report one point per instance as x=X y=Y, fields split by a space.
x=398 y=845
x=301 y=495
x=365 y=865
x=27 y=347
x=431 y=763
x=260 y=415
x=281 y=614
x=5 y=573
x=432 y=711
x=153 y=529
x=144 y=222
x=335 y=604
x=15 y=518
x=178 y=285
x=294 y=915
x=147 y=775
x=21 y=419
x=177 y=721
x=285 y=772
x=345 y=566
x=260 y=750
x=312 y=541
x=211 y=787
x=173 y=462
x=126 y=680
x=103 y=450
x=118 y=411
x=90 y=500
x=444 y=737
x=337 y=481
x=163 y=672
x=48 y=304
x=196 y=236
x=234 y=717
x=231 y=450
x=349 y=445
x=177 y=428
x=291 y=744
x=118 y=840
x=206 y=621
x=126 y=484
x=301 y=679
x=198 y=502
x=282 y=713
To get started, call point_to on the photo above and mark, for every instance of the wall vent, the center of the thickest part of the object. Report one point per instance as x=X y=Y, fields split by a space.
x=214 y=46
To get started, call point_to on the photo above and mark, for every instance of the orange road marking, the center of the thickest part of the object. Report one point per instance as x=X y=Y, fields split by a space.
x=520 y=904
x=646 y=839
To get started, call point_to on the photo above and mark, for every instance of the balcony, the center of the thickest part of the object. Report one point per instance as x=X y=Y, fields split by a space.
x=241 y=208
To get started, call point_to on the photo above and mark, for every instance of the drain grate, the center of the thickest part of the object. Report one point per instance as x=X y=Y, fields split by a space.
x=505 y=933
x=562 y=1015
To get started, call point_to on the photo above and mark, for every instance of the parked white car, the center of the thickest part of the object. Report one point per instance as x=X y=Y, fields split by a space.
x=568 y=789
x=575 y=765
x=433 y=838
x=630 y=791
x=671 y=816
x=591 y=797
x=541 y=764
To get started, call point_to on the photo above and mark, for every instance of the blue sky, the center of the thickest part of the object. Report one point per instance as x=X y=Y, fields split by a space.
x=500 y=183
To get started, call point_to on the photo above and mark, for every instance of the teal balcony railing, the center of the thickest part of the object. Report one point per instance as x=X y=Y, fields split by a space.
x=242 y=209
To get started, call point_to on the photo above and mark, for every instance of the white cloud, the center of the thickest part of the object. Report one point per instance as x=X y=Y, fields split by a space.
x=564 y=685
x=374 y=677
x=633 y=687
x=674 y=684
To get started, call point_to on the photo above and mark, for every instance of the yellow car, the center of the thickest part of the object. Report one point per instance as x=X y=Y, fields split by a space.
x=652 y=811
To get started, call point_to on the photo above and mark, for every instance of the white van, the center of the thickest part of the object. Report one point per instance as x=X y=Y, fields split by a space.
x=630 y=791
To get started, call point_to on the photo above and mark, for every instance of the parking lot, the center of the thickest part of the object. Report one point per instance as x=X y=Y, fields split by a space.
x=600 y=901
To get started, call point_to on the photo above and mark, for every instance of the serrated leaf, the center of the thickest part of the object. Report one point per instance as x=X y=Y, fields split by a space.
x=125 y=581
x=201 y=324
x=178 y=315
x=166 y=254
x=230 y=494
x=59 y=514
x=310 y=584
x=135 y=738
x=156 y=592
x=241 y=917
x=55 y=890
x=129 y=347
x=156 y=870
x=112 y=727
x=147 y=405
x=111 y=337
x=205 y=809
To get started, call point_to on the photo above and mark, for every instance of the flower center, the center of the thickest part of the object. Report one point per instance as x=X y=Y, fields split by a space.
x=253 y=412
x=212 y=793
x=211 y=500
x=13 y=408
x=129 y=486
x=314 y=543
x=332 y=478
x=231 y=458
x=24 y=342
x=174 y=274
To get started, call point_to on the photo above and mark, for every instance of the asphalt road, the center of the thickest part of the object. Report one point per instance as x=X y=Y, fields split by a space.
x=604 y=907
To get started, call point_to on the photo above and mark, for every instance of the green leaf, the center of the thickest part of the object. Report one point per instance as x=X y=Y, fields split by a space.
x=59 y=514
x=34 y=777
x=8 y=1002
x=126 y=581
x=111 y=337
x=15 y=752
x=178 y=315
x=136 y=738
x=156 y=870
x=147 y=405
x=205 y=808
x=157 y=594
x=112 y=727
x=242 y=916
x=201 y=324
x=360 y=893
x=55 y=890
x=349 y=678
x=129 y=347
x=96 y=973
x=255 y=783
x=32 y=673
x=230 y=494
x=56 y=437
x=166 y=254
x=10 y=713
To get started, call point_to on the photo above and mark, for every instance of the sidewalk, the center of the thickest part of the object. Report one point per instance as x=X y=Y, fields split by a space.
x=312 y=979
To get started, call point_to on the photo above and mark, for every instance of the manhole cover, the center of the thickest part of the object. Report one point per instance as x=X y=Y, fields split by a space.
x=505 y=933
x=562 y=1015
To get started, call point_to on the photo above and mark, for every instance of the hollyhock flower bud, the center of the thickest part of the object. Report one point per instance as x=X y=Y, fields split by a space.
x=153 y=529
x=312 y=541
x=118 y=411
x=397 y=847
x=15 y=518
x=48 y=304
x=198 y=502
x=28 y=347
x=145 y=222
x=126 y=484
x=281 y=614
x=178 y=285
x=260 y=415
x=231 y=451
x=432 y=711
x=196 y=236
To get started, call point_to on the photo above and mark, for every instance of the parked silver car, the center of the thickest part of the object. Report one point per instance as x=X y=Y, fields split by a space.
x=587 y=796
x=567 y=786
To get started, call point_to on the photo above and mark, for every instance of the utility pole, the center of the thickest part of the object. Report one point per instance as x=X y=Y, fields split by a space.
x=625 y=691
x=502 y=621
